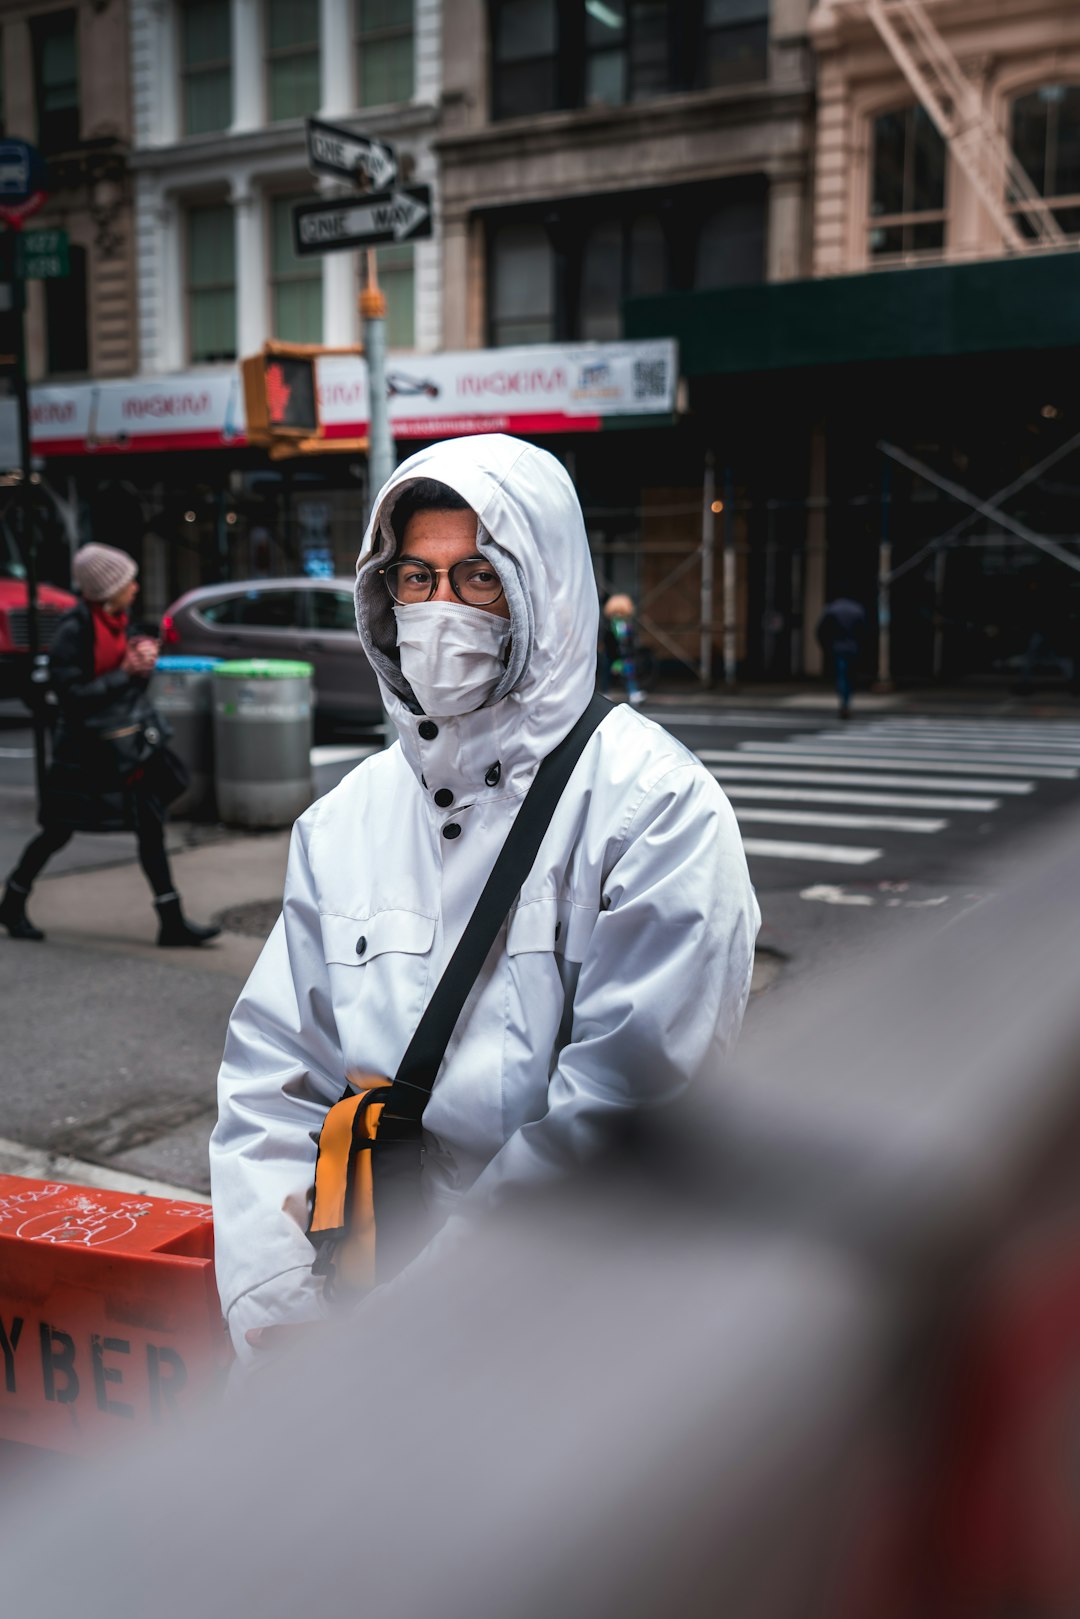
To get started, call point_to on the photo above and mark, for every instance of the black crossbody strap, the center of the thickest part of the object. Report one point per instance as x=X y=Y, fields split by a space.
x=420 y=1064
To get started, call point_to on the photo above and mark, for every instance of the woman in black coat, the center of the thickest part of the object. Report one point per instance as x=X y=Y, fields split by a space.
x=93 y=784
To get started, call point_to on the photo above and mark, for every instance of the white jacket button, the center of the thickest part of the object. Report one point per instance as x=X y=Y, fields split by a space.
x=451 y=830
x=444 y=798
x=492 y=777
x=428 y=730
x=361 y=945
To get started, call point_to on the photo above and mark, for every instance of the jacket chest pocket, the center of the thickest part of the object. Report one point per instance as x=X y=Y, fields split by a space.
x=378 y=968
x=354 y=941
x=554 y=925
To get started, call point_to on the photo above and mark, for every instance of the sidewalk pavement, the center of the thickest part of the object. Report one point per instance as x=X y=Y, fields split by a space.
x=110 y=905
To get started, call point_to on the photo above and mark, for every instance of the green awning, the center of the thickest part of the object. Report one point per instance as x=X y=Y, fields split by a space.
x=984 y=308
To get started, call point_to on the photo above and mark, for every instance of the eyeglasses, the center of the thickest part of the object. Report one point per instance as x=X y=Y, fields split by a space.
x=473 y=581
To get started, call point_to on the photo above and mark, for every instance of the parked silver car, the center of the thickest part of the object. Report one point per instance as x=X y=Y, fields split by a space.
x=313 y=619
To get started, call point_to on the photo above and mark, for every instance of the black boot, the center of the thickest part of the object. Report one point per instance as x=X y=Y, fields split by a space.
x=13 y=914
x=174 y=929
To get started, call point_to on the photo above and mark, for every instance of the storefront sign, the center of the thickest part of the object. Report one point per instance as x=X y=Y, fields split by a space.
x=572 y=388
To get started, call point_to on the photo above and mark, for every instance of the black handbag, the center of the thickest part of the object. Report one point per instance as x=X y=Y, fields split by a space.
x=367 y=1217
x=134 y=752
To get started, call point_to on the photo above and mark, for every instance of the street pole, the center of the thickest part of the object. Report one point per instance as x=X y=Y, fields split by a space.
x=380 y=444
x=730 y=620
x=708 y=553
x=27 y=537
x=884 y=668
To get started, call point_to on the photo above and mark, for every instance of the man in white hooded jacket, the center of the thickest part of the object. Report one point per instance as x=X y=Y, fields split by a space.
x=624 y=967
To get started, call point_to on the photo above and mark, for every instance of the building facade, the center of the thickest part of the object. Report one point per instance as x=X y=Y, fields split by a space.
x=594 y=154
x=65 y=88
x=914 y=395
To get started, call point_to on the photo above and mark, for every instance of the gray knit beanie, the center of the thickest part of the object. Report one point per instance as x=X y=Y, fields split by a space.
x=99 y=571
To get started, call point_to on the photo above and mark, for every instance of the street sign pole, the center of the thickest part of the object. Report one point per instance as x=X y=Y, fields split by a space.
x=380 y=444
x=27 y=536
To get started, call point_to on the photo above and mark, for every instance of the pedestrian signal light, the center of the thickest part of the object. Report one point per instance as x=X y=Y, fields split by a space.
x=280 y=393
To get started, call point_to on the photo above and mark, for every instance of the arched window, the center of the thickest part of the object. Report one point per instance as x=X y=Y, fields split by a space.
x=907 y=184
x=1046 y=139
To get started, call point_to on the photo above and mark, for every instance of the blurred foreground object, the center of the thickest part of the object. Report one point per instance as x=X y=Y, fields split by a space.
x=810 y=1347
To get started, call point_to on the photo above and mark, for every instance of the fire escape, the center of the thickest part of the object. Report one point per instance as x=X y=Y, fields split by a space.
x=952 y=100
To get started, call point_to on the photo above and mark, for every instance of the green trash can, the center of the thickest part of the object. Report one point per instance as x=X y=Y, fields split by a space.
x=263 y=728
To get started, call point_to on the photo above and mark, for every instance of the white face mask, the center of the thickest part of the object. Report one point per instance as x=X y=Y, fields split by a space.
x=453 y=657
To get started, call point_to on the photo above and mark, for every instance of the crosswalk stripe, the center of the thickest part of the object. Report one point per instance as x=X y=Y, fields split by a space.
x=1040 y=752
x=854 y=760
x=853 y=823
x=331 y=754
x=1007 y=765
x=745 y=766
x=829 y=853
x=880 y=800
x=1006 y=728
x=663 y=717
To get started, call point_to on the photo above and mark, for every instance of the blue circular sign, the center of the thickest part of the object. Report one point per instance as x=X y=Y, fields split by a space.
x=22 y=171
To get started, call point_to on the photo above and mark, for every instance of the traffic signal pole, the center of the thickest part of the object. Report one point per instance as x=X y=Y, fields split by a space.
x=27 y=537
x=373 y=314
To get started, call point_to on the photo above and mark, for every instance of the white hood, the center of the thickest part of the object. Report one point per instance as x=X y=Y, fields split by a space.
x=532 y=530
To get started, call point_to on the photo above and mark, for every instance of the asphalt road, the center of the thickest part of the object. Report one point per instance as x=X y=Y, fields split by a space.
x=857 y=836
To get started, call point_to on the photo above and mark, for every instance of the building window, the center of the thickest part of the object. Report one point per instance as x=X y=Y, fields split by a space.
x=736 y=42
x=1046 y=139
x=525 y=58
x=565 y=274
x=730 y=248
x=211 y=283
x=907 y=184
x=397 y=277
x=550 y=54
x=67 y=352
x=206 y=66
x=522 y=280
x=385 y=43
x=296 y=284
x=292 y=58
x=56 y=80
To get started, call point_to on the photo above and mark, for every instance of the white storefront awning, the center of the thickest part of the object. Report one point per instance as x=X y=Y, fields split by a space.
x=567 y=388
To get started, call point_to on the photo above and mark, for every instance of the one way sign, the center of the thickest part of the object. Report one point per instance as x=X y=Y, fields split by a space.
x=400 y=215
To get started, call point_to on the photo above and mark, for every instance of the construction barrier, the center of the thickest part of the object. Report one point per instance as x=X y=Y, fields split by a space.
x=109 y=1314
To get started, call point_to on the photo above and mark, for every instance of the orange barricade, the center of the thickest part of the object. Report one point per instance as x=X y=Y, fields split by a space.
x=109 y=1315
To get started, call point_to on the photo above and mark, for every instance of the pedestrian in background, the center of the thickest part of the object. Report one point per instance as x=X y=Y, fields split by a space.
x=110 y=771
x=841 y=631
x=620 y=646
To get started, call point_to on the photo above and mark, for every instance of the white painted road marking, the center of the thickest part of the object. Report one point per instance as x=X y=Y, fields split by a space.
x=853 y=823
x=880 y=800
x=831 y=853
x=944 y=784
x=1061 y=758
x=862 y=760
x=333 y=755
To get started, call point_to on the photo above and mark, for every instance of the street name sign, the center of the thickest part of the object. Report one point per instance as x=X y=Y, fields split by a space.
x=43 y=255
x=401 y=215
x=345 y=156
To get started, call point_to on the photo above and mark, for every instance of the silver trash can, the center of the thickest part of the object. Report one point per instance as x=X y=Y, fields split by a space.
x=182 y=692
x=263 y=726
